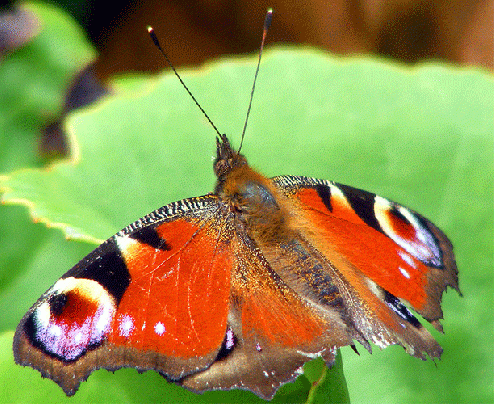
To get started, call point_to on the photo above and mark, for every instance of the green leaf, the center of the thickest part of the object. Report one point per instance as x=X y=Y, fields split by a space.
x=328 y=385
x=422 y=137
x=33 y=82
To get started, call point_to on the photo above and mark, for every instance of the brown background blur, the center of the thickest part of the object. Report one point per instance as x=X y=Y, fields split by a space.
x=458 y=31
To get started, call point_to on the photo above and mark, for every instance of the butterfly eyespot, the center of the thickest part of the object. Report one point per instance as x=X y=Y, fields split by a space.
x=73 y=319
x=409 y=231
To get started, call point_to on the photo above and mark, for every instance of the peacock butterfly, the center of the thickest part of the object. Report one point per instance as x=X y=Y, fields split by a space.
x=240 y=287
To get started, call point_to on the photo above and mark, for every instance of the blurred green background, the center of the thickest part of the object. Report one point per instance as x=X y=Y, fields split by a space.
x=422 y=136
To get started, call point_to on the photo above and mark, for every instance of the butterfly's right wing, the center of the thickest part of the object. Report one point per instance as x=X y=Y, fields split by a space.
x=377 y=254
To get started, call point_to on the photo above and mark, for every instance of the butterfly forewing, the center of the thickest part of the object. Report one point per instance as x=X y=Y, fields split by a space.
x=144 y=298
x=377 y=253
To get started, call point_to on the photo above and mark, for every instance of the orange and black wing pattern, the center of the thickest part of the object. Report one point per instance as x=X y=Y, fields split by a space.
x=154 y=296
x=380 y=256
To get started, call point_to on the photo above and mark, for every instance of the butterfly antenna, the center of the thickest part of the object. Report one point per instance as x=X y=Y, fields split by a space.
x=267 y=24
x=157 y=44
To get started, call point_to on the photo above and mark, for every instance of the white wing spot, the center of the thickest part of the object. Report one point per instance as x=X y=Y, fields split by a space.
x=338 y=195
x=159 y=328
x=408 y=259
x=404 y=272
x=230 y=339
x=124 y=242
x=126 y=325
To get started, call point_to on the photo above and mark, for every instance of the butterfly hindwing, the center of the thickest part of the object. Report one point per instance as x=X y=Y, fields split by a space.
x=272 y=330
x=154 y=296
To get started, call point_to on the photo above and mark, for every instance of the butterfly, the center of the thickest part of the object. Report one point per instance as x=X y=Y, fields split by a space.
x=240 y=287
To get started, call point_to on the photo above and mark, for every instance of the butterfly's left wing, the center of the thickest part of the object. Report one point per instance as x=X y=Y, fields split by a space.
x=379 y=255
x=154 y=296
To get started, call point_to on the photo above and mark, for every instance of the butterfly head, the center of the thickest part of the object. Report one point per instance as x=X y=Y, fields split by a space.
x=227 y=159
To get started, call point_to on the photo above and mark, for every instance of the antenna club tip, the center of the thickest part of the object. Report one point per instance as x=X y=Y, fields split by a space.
x=149 y=28
x=267 y=20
